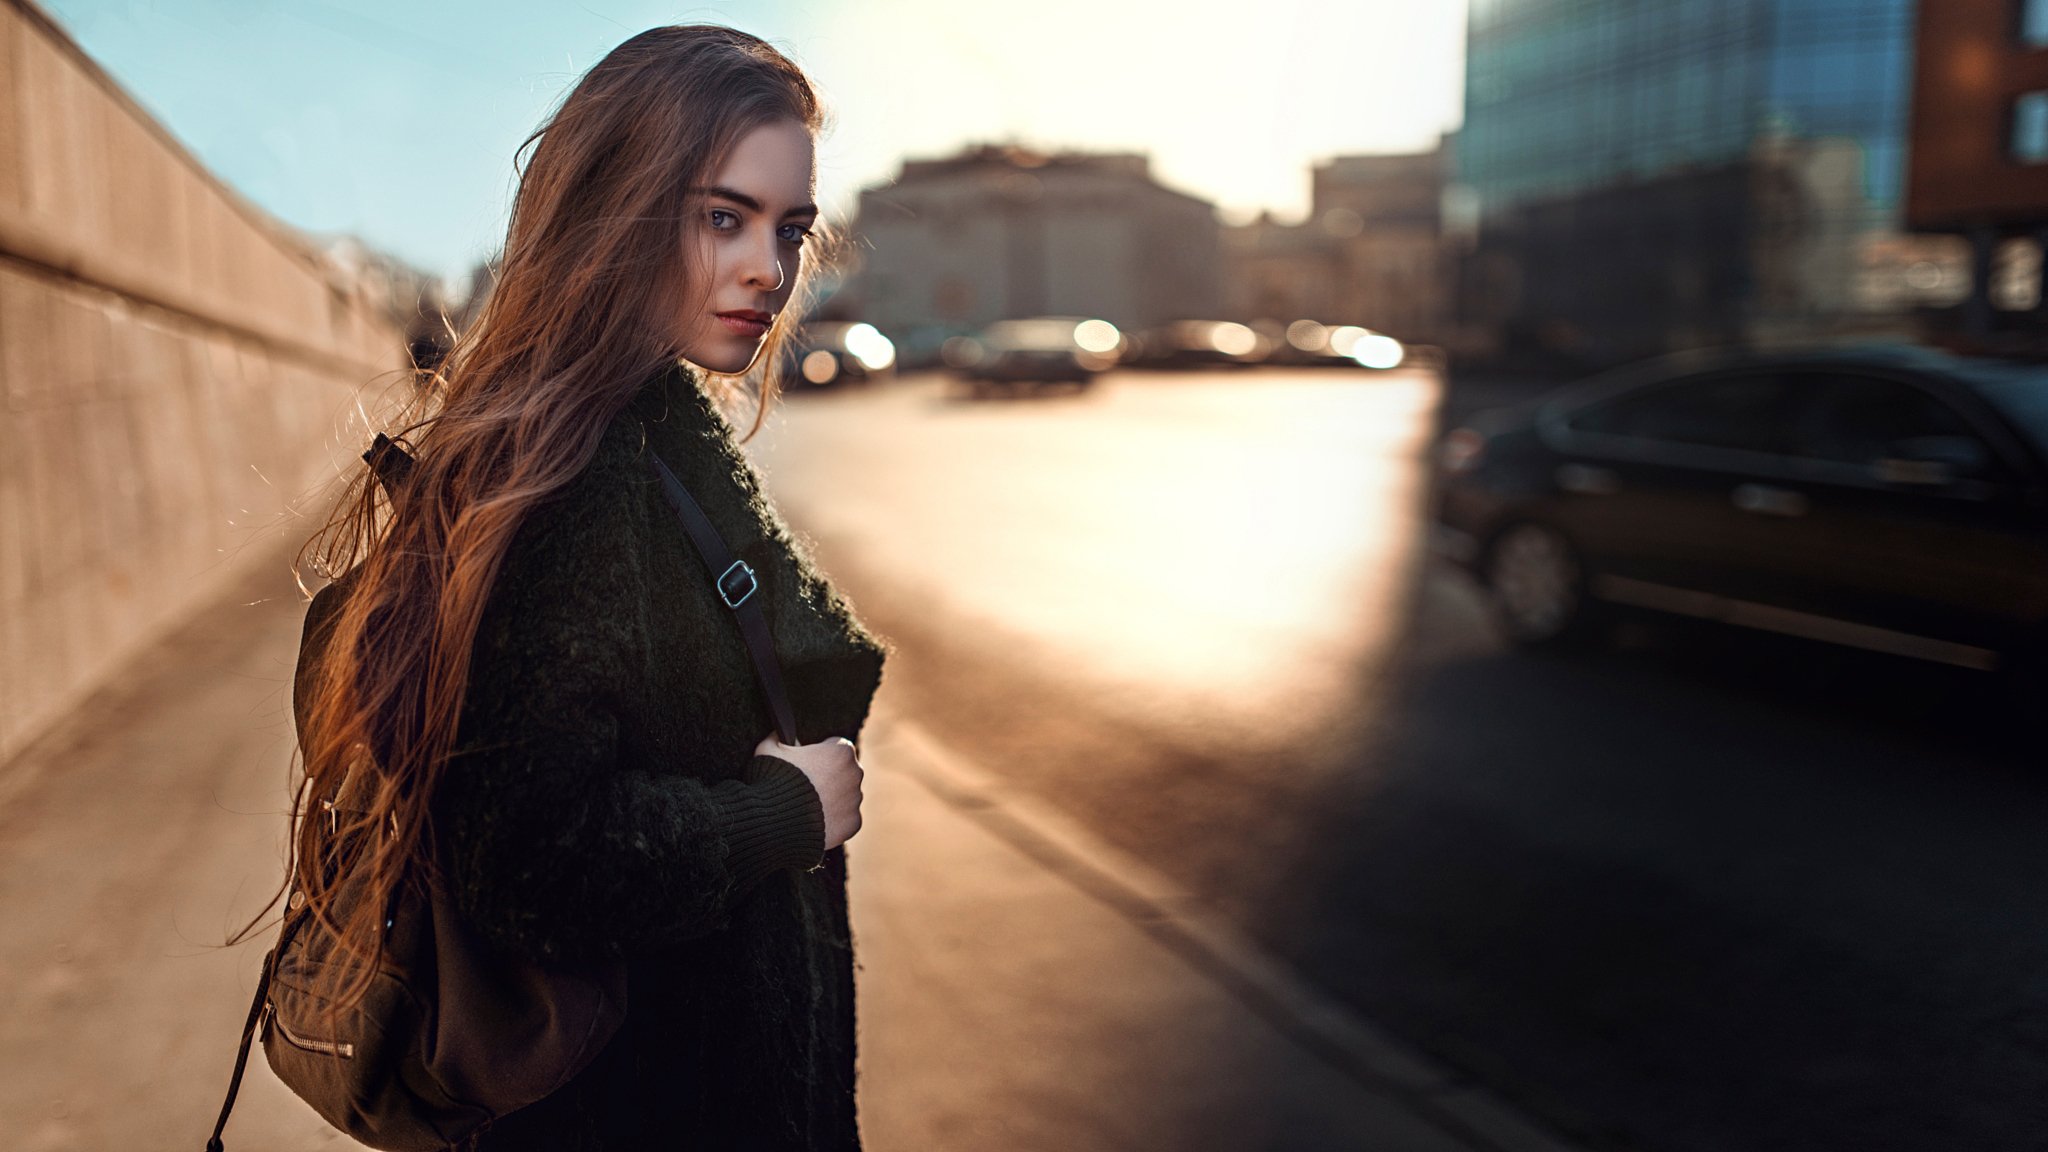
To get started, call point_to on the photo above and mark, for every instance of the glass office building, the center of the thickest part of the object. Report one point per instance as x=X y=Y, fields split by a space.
x=1650 y=175
x=1565 y=96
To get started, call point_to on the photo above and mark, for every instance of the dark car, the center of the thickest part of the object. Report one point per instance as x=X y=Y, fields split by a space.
x=1893 y=499
x=1042 y=350
x=1315 y=344
x=1197 y=344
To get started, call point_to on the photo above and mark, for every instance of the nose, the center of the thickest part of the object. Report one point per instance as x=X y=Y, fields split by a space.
x=763 y=269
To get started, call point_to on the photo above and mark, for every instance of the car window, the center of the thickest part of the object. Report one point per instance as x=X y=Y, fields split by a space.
x=2020 y=391
x=1749 y=412
x=1862 y=420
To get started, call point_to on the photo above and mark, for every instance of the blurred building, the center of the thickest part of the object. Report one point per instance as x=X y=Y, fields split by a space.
x=1280 y=272
x=1372 y=251
x=1388 y=213
x=1002 y=232
x=1979 y=167
x=1656 y=174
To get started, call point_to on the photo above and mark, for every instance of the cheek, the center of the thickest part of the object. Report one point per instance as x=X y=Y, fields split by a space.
x=717 y=263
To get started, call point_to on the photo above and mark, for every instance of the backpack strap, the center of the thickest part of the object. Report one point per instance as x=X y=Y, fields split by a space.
x=736 y=586
x=249 y=1026
x=391 y=463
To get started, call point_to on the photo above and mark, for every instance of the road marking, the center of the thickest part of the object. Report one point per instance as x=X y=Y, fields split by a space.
x=1327 y=1028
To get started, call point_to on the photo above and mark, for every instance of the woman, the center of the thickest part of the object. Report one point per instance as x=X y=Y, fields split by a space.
x=562 y=714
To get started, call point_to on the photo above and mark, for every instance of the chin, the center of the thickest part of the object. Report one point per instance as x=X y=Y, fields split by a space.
x=725 y=362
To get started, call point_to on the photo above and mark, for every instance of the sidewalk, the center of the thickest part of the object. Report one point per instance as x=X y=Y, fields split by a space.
x=1021 y=987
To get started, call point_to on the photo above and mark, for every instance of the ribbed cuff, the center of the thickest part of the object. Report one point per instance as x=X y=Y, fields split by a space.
x=774 y=819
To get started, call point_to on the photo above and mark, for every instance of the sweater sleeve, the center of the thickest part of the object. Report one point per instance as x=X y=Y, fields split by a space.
x=559 y=845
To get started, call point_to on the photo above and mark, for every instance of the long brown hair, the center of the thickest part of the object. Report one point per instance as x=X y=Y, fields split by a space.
x=592 y=277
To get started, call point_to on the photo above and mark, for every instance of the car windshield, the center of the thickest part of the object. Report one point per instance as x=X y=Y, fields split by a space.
x=2019 y=390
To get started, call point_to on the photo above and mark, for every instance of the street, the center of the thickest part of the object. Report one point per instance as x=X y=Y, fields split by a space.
x=1694 y=891
x=1701 y=891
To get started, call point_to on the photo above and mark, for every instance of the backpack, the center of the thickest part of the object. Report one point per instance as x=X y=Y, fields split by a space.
x=450 y=1034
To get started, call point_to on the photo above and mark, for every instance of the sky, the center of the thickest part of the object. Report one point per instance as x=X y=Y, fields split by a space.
x=397 y=122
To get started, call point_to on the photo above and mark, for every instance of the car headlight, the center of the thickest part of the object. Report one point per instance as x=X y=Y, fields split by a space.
x=1378 y=351
x=820 y=367
x=1233 y=339
x=1097 y=336
x=870 y=347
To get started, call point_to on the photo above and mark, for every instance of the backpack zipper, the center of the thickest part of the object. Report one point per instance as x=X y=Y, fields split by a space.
x=324 y=1047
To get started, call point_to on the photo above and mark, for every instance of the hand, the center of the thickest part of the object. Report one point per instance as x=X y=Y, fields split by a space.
x=834 y=770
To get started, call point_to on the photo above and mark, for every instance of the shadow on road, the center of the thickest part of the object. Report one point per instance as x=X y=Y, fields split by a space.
x=1703 y=890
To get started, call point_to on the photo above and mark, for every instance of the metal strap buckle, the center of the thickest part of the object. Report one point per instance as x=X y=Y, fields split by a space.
x=734 y=589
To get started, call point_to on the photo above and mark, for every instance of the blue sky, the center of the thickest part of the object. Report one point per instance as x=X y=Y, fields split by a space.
x=397 y=122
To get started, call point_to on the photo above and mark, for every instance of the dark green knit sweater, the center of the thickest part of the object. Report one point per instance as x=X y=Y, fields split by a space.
x=606 y=802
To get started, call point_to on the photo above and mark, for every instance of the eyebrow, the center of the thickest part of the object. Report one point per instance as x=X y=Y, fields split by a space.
x=753 y=205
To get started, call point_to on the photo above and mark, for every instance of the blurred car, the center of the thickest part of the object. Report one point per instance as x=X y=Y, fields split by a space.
x=1042 y=350
x=1311 y=342
x=1893 y=499
x=918 y=346
x=828 y=353
x=1196 y=344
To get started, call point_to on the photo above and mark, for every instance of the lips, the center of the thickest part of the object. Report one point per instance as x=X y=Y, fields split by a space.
x=745 y=321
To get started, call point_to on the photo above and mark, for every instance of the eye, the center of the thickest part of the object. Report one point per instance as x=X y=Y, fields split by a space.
x=794 y=233
x=724 y=219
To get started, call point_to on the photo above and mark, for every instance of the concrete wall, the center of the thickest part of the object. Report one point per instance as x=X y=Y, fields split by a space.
x=173 y=366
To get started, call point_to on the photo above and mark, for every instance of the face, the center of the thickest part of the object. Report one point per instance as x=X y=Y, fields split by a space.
x=749 y=235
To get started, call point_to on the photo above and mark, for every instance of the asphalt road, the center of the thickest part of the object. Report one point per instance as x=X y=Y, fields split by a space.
x=1697 y=891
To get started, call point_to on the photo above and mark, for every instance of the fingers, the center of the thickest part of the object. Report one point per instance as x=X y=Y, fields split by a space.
x=773 y=741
